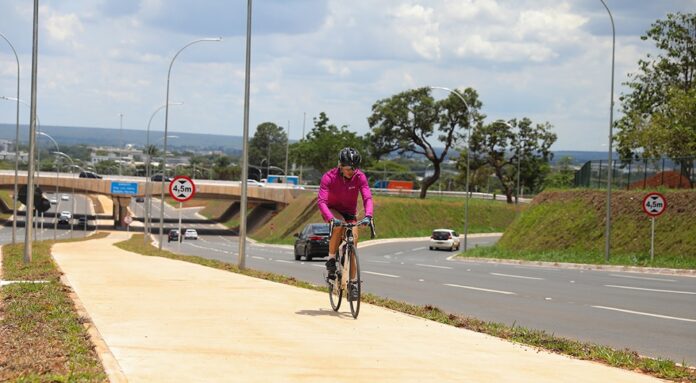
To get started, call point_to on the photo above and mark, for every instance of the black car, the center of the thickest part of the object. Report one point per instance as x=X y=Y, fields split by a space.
x=139 y=199
x=64 y=221
x=173 y=235
x=313 y=241
x=158 y=178
x=86 y=174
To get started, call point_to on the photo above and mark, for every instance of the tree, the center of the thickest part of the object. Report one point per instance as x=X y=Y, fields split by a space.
x=320 y=148
x=660 y=89
x=270 y=140
x=407 y=121
x=496 y=145
x=564 y=177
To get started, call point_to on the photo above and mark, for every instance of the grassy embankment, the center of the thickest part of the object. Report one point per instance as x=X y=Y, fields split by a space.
x=394 y=216
x=568 y=226
x=6 y=197
x=42 y=338
x=625 y=359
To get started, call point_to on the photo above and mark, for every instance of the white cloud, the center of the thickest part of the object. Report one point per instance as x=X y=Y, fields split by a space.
x=62 y=27
x=416 y=24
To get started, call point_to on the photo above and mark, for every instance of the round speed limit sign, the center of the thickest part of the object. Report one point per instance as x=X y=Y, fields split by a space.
x=654 y=204
x=182 y=188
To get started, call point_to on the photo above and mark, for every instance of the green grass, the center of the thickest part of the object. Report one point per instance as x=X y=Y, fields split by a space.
x=43 y=338
x=396 y=217
x=625 y=359
x=568 y=226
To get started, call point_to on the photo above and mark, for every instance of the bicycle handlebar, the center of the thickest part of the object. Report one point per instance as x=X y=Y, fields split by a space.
x=347 y=225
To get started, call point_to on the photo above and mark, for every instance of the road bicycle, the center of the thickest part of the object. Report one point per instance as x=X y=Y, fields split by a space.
x=343 y=282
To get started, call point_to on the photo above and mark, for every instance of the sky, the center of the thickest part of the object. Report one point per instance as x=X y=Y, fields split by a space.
x=548 y=60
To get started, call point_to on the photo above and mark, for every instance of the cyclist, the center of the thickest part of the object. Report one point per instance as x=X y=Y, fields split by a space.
x=338 y=199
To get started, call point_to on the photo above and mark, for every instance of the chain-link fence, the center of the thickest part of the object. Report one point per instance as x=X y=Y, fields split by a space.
x=639 y=174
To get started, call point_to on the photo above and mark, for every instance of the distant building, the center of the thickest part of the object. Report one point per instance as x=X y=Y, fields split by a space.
x=125 y=155
x=7 y=152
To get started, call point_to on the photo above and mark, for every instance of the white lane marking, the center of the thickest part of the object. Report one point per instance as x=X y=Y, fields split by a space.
x=434 y=266
x=656 y=290
x=480 y=289
x=379 y=261
x=323 y=267
x=644 y=278
x=516 y=276
x=399 y=253
x=283 y=261
x=255 y=257
x=383 y=275
x=208 y=248
x=646 y=314
x=418 y=249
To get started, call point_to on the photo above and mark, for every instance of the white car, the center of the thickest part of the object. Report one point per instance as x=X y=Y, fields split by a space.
x=65 y=197
x=251 y=182
x=444 y=239
x=65 y=214
x=53 y=201
x=190 y=234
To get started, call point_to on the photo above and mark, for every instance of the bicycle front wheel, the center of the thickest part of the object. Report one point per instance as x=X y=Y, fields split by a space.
x=335 y=293
x=355 y=285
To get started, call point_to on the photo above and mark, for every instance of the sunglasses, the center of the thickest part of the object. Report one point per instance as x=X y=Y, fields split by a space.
x=347 y=167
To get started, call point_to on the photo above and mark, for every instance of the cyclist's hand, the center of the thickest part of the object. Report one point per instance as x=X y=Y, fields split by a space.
x=365 y=221
x=335 y=222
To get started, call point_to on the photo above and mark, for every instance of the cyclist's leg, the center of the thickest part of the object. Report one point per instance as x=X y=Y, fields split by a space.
x=334 y=242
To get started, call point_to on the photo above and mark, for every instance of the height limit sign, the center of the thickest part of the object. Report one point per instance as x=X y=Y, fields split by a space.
x=654 y=204
x=182 y=188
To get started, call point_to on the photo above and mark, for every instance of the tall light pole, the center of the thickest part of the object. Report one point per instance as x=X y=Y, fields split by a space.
x=38 y=168
x=32 y=139
x=148 y=197
x=607 y=232
x=14 y=199
x=72 y=210
x=120 y=144
x=245 y=145
x=166 y=124
x=55 y=215
x=304 y=119
x=468 y=150
x=287 y=152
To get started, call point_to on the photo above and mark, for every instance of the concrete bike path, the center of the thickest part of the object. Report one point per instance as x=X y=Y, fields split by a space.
x=172 y=321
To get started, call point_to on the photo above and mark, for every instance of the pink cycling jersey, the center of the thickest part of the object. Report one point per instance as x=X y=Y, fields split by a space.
x=339 y=193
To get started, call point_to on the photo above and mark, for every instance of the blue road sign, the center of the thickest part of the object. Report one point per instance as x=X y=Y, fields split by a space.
x=130 y=188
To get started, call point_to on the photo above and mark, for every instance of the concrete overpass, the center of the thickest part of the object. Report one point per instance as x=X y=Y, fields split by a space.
x=271 y=194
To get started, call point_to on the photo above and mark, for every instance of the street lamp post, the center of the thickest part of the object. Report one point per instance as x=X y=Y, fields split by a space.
x=468 y=150
x=14 y=199
x=28 y=220
x=607 y=233
x=166 y=123
x=120 y=144
x=55 y=215
x=245 y=145
x=72 y=210
x=148 y=197
x=85 y=204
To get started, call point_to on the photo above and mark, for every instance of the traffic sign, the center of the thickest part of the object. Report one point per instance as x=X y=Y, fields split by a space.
x=182 y=188
x=129 y=188
x=654 y=204
x=128 y=220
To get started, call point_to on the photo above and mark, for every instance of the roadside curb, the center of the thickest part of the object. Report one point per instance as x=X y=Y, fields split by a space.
x=581 y=266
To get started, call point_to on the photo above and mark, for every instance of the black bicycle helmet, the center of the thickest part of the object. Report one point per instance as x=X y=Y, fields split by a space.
x=349 y=157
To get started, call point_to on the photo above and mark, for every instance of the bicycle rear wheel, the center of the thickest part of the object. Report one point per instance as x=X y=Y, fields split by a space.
x=355 y=304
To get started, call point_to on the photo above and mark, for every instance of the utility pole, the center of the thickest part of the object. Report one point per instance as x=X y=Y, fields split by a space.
x=32 y=139
x=287 y=150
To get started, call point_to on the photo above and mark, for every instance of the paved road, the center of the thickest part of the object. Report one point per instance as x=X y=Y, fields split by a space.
x=652 y=314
